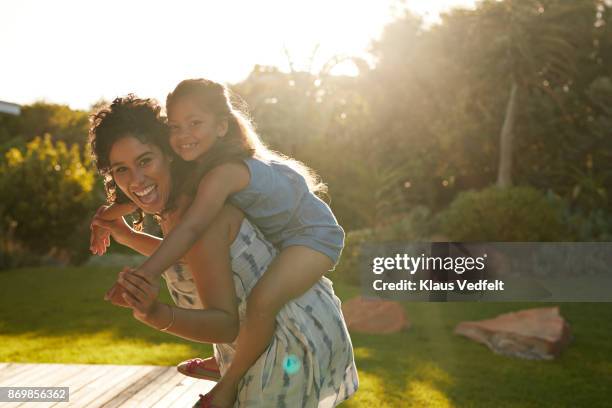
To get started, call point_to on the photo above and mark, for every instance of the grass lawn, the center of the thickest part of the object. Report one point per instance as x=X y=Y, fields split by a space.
x=58 y=315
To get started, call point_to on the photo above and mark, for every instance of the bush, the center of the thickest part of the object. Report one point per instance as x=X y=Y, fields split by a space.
x=47 y=198
x=595 y=225
x=516 y=214
x=414 y=226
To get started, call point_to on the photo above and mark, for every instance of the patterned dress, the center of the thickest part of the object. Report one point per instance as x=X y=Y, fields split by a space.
x=309 y=362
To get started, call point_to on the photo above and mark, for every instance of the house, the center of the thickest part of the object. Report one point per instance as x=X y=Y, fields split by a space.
x=10 y=108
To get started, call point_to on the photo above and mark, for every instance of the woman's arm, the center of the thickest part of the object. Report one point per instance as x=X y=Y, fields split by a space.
x=216 y=186
x=209 y=262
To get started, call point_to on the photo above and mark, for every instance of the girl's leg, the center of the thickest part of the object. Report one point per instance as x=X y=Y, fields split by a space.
x=295 y=270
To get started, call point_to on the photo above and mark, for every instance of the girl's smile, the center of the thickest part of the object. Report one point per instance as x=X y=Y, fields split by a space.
x=193 y=131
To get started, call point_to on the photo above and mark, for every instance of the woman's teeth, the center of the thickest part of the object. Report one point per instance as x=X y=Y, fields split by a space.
x=189 y=146
x=146 y=195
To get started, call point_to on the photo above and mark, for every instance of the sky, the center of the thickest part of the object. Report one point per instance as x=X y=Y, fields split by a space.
x=78 y=52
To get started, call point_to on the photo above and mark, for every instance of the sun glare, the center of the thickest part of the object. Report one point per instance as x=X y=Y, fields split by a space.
x=79 y=52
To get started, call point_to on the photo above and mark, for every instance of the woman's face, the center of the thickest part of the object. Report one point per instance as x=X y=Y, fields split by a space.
x=193 y=131
x=142 y=172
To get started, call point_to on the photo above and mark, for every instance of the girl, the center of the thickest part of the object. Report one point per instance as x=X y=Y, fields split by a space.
x=275 y=192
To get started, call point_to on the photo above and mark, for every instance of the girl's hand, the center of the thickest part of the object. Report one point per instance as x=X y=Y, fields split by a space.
x=141 y=292
x=115 y=296
x=99 y=238
x=118 y=228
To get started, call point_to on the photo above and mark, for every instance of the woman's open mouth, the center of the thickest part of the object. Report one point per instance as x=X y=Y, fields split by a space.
x=146 y=195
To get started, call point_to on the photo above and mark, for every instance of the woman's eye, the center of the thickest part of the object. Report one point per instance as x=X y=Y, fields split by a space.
x=145 y=161
x=118 y=170
x=195 y=123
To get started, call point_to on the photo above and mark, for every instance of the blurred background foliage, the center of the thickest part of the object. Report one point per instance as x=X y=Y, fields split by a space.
x=494 y=124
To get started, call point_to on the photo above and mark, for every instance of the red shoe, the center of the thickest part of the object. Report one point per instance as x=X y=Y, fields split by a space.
x=205 y=401
x=205 y=369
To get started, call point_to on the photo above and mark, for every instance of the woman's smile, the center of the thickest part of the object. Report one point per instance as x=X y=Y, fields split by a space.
x=142 y=172
x=148 y=194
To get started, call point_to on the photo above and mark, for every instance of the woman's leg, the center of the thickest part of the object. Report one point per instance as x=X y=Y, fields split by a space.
x=295 y=270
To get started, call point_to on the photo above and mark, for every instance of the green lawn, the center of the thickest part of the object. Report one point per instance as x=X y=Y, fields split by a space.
x=58 y=315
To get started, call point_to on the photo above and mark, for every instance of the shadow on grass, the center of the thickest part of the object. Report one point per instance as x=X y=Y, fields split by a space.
x=46 y=312
x=429 y=366
x=42 y=309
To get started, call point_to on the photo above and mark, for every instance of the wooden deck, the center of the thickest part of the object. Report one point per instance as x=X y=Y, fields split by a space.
x=108 y=386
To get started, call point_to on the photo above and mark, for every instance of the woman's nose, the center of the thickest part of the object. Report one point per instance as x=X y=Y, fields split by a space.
x=138 y=177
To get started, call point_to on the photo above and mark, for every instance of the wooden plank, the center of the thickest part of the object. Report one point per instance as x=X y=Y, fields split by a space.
x=63 y=378
x=37 y=374
x=89 y=374
x=16 y=380
x=121 y=397
x=11 y=370
x=175 y=393
x=89 y=393
x=111 y=391
x=108 y=386
x=31 y=377
x=192 y=393
x=154 y=390
x=174 y=381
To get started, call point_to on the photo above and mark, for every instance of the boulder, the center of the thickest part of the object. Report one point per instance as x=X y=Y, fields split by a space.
x=534 y=334
x=374 y=316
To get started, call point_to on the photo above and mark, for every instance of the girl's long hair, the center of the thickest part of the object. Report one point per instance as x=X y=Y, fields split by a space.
x=240 y=142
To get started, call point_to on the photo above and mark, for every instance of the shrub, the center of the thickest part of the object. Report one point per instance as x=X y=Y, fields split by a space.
x=516 y=214
x=46 y=197
x=414 y=226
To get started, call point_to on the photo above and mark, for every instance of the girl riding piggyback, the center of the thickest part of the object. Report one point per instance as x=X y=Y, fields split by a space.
x=276 y=193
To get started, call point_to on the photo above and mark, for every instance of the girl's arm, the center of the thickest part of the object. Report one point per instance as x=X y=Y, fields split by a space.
x=215 y=187
x=99 y=237
x=209 y=262
x=140 y=242
x=114 y=211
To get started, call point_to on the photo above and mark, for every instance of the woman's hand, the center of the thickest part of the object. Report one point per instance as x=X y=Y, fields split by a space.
x=140 y=293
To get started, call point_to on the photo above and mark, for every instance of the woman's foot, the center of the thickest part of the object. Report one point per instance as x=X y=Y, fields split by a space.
x=206 y=369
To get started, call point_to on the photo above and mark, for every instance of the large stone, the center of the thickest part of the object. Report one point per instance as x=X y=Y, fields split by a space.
x=535 y=334
x=374 y=316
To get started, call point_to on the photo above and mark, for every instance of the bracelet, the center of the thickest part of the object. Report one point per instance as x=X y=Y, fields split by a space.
x=171 y=320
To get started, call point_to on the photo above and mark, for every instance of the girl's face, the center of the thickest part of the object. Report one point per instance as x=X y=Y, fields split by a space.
x=193 y=131
x=142 y=172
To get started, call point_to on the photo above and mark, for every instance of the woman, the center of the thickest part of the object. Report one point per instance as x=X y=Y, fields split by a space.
x=310 y=359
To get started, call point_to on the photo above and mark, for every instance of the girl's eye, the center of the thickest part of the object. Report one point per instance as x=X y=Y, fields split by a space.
x=118 y=170
x=145 y=161
x=195 y=123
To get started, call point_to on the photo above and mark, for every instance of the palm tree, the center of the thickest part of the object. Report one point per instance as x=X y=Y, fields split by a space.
x=530 y=44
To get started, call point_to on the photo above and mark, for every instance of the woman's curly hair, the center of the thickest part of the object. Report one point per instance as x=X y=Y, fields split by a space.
x=135 y=117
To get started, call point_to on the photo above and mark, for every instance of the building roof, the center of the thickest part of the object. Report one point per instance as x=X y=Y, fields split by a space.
x=10 y=108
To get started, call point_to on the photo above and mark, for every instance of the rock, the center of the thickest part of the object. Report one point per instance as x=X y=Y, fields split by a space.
x=534 y=334
x=374 y=316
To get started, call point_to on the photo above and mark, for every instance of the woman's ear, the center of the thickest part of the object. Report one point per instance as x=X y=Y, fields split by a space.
x=222 y=127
